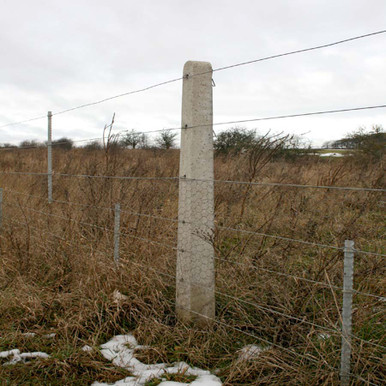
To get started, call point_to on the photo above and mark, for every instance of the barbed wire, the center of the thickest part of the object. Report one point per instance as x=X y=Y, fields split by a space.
x=236 y=328
x=252 y=183
x=55 y=143
x=93 y=176
x=214 y=70
x=295 y=277
x=378 y=297
x=311 y=243
x=270 y=310
x=297 y=115
x=300 y=51
x=122 y=209
x=289 y=185
x=226 y=228
x=278 y=237
x=93 y=226
x=24 y=121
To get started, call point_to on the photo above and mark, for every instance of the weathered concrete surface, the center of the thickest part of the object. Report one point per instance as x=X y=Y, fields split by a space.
x=195 y=257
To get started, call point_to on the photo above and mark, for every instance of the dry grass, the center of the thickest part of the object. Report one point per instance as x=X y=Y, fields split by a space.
x=57 y=272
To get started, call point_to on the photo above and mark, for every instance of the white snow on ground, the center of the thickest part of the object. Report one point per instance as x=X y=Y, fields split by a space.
x=49 y=336
x=29 y=334
x=17 y=356
x=250 y=352
x=87 y=348
x=331 y=155
x=120 y=350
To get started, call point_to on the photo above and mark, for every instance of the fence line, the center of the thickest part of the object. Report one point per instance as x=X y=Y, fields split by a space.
x=328 y=246
x=259 y=338
x=94 y=226
x=114 y=231
x=256 y=337
x=59 y=143
x=242 y=331
x=246 y=302
x=260 y=234
x=197 y=241
x=95 y=176
x=382 y=298
x=283 y=238
x=218 y=226
x=203 y=73
x=297 y=115
x=251 y=183
x=123 y=210
x=324 y=284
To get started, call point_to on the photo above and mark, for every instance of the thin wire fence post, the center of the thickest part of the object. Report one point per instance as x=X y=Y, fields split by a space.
x=117 y=221
x=49 y=157
x=347 y=312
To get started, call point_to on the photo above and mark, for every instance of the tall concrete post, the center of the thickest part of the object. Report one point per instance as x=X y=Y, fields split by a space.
x=49 y=157
x=195 y=285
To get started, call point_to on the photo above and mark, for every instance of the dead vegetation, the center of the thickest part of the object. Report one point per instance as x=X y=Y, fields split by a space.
x=57 y=272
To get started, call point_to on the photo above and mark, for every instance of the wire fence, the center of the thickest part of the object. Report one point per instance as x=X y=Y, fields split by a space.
x=238 y=256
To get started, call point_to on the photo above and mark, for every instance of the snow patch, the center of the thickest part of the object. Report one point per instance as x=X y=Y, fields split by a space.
x=29 y=334
x=331 y=155
x=203 y=380
x=49 y=336
x=87 y=348
x=17 y=356
x=120 y=350
x=118 y=297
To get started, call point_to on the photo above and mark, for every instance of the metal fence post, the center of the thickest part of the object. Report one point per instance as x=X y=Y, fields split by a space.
x=195 y=281
x=347 y=312
x=117 y=221
x=49 y=157
x=1 y=207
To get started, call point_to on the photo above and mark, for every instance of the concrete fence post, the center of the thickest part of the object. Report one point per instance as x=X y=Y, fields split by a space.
x=347 y=312
x=117 y=223
x=195 y=281
x=49 y=157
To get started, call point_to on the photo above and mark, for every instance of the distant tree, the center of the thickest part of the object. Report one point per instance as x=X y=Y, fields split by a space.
x=134 y=140
x=371 y=143
x=234 y=140
x=93 y=145
x=63 y=143
x=328 y=145
x=8 y=145
x=30 y=143
x=166 y=139
x=240 y=140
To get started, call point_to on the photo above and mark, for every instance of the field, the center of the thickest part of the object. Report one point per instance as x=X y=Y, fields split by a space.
x=58 y=276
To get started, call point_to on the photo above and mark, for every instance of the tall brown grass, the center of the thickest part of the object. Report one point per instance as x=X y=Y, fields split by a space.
x=57 y=271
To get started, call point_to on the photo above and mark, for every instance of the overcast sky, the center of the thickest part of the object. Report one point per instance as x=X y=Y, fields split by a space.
x=59 y=54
